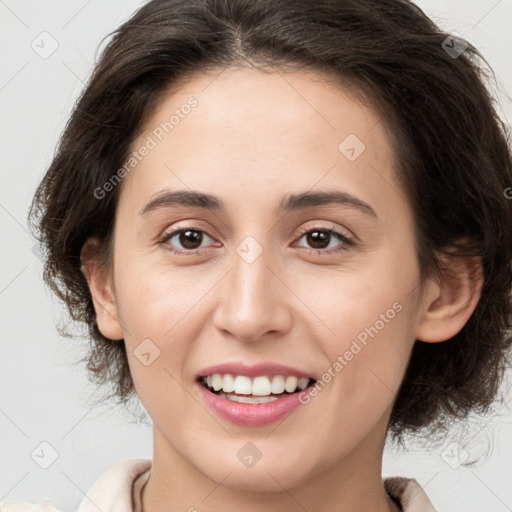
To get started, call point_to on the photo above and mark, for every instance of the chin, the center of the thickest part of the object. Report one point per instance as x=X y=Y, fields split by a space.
x=271 y=473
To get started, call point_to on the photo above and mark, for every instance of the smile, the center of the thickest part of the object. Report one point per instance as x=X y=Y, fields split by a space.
x=257 y=390
x=252 y=401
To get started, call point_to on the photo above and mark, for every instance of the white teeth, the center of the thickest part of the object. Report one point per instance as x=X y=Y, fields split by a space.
x=278 y=384
x=217 y=381
x=258 y=386
x=302 y=383
x=291 y=384
x=261 y=386
x=228 y=385
x=243 y=385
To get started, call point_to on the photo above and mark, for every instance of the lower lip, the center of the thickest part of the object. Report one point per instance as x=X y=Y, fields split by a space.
x=250 y=414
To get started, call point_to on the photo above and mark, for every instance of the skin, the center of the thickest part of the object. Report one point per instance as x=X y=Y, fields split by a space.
x=252 y=139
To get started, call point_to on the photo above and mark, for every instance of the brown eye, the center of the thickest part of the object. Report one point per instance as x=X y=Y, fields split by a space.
x=321 y=239
x=187 y=239
x=317 y=239
x=190 y=238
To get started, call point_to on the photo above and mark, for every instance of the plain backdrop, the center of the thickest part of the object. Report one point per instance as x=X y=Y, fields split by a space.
x=46 y=416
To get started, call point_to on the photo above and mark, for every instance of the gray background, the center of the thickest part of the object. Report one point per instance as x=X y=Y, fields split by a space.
x=44 y=397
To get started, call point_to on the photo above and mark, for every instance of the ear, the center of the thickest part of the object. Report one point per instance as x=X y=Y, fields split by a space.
x=450 y=301
x=101 y=289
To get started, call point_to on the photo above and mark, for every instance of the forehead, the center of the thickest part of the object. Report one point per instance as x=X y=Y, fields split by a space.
x=247 y=130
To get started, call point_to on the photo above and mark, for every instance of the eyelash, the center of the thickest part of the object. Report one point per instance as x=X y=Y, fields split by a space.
x=347 y=242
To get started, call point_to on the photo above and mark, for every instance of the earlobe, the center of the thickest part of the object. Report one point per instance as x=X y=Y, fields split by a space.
x=100 y=286
x=450 y=302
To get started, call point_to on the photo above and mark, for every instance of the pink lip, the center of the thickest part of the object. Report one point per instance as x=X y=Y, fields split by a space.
x=240 y=368
x=249 y=414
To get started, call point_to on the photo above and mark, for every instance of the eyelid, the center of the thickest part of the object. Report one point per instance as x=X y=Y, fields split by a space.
x=177 y=227
x=167 y=235
x=344 y=232
x=347 y=241
x=348 y=238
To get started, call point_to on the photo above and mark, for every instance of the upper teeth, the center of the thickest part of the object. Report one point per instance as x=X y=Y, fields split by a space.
x=259 y=386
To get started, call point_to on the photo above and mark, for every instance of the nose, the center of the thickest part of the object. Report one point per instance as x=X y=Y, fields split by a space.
x=254 y=301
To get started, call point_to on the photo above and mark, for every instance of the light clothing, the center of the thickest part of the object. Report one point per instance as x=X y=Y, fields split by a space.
x=119 y=488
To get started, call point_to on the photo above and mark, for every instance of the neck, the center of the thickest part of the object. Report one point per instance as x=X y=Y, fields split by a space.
x=352 y=484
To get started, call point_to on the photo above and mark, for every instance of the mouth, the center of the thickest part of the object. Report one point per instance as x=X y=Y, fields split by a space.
x=254 y=390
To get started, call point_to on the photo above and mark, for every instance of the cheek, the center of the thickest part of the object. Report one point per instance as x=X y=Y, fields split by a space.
x=365 y=368
x=161 y=309
x=371 y=320
x=158 y=315
x=364 y=304
x=371 y=348
x=154 y=298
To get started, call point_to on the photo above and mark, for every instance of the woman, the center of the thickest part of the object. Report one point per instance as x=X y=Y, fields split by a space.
x=280 y=238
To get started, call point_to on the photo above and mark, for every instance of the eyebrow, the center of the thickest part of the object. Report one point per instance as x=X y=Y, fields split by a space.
x=191 y=198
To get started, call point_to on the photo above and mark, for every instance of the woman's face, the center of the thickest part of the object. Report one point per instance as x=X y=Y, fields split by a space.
x=259 y=280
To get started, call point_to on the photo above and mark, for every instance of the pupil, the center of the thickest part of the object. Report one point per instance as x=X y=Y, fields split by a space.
x=185 y=242
x=317 y=239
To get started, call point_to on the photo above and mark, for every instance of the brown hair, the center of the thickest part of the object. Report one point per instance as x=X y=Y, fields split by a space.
x=452 y=149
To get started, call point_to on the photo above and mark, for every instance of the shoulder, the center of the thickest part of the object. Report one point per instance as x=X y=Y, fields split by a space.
x=110 y=491
x=409 y=493
x=113 y=490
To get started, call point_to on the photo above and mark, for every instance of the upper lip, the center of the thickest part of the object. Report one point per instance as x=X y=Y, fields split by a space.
x=255 y=370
